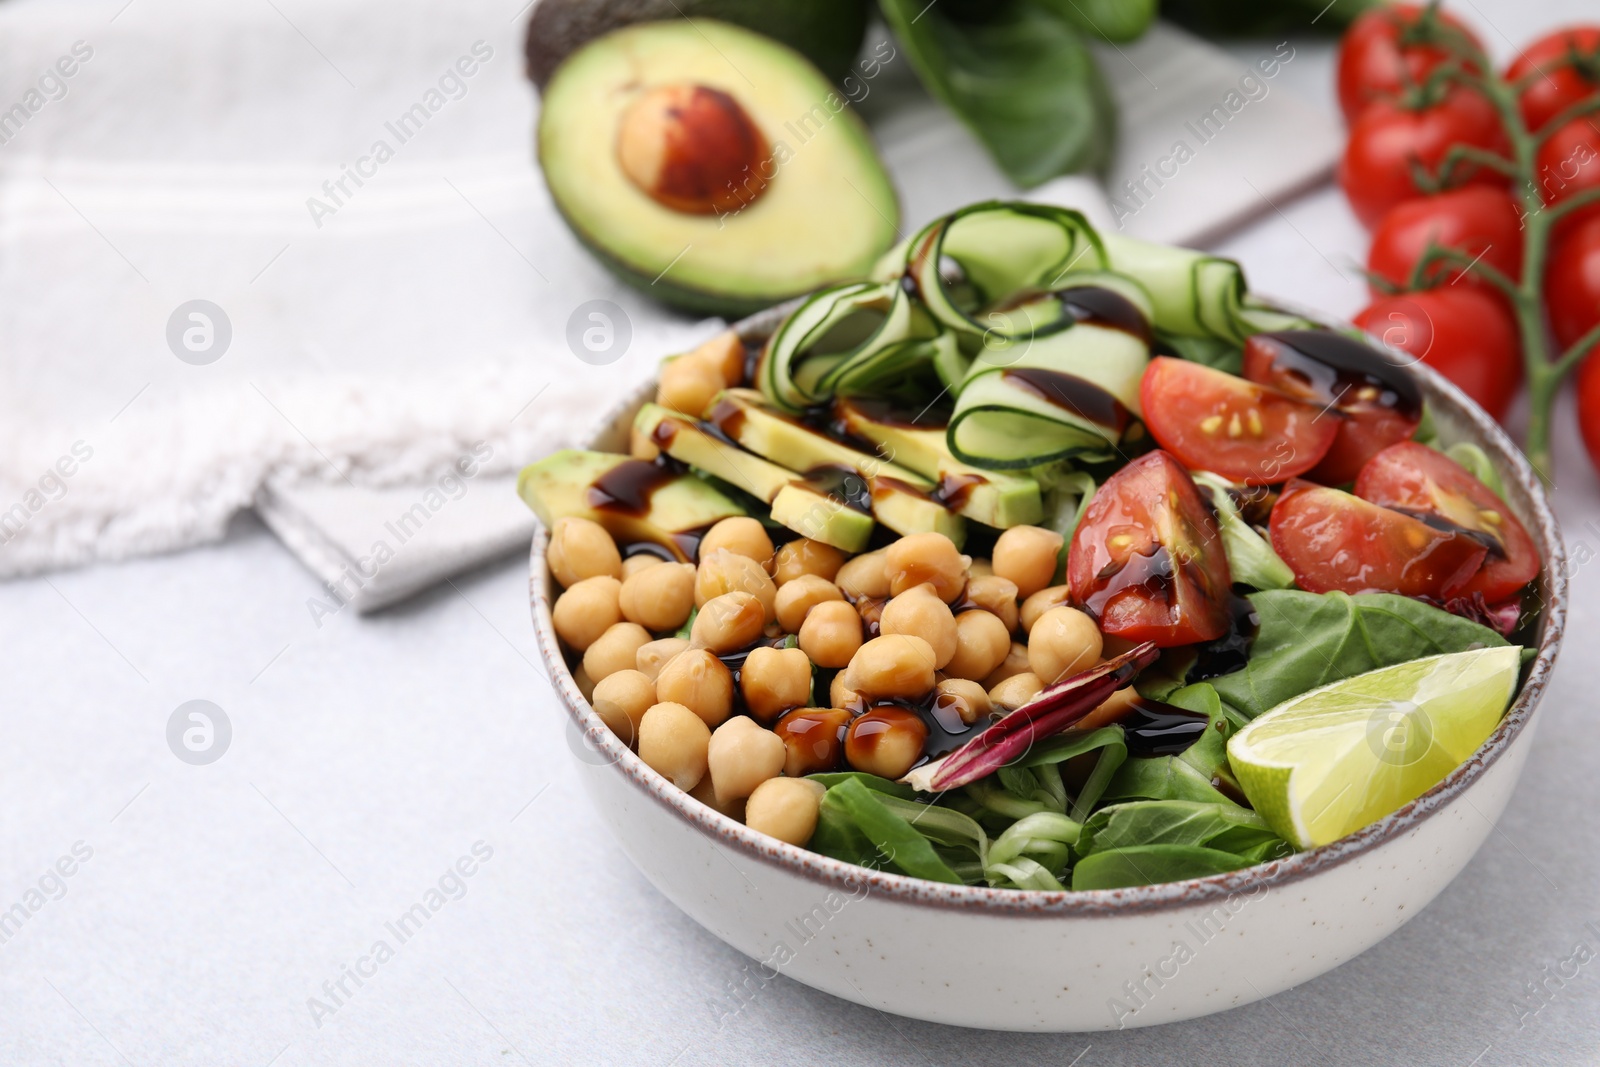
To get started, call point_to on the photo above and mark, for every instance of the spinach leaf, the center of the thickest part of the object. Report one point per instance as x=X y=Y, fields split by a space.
x=1215 y=352
x=1208 y=755
x=1149 y=864
x=1163 y=778
x=1224 y=827
x=897 y=842
x=1019 y=76
x=1042 y=840
x=1308 y=640
x=1113 y=748
x=1111 y=20
x=871 y=781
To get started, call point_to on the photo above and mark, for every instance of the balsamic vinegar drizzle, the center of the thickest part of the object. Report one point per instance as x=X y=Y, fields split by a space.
x=1336 y=368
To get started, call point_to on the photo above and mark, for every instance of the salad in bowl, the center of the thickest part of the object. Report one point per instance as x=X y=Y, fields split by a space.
x=1043 y=560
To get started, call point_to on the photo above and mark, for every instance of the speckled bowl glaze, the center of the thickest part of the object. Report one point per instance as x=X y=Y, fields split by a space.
x=1106 y=959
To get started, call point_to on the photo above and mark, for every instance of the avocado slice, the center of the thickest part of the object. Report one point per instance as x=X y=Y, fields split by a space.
x=994 y=498
x=899 y=497
x=712 y=167
x=633 y=499
x=807 y=509
x=827 y=32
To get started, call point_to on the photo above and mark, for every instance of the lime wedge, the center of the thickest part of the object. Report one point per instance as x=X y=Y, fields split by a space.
x=1328 y=762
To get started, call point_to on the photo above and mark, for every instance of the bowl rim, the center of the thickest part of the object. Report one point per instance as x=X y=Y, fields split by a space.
x=1522 y=485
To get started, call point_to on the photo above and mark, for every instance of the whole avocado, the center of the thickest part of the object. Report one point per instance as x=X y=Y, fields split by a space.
x=827 y=32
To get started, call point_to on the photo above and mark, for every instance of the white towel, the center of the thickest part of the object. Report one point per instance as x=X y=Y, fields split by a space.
x=383 y=326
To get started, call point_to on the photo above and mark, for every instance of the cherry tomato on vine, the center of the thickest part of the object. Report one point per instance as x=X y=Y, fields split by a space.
x=1588 y=390
x=1390 y=49
x=1392 y=138
x=1569 y=162
x=1147 y=559
x=1380 y=402
x=1480 y=221
x=1427 y=484
x=1336 y=542
x=1463 y=332
x=1572 y=281
x=1562 y=68
x=1248 y=433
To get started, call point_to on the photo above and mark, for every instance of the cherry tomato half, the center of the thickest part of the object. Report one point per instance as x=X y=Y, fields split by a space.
x=1429 y=485
x=1147 y=560
x=1390 y=139
x=1572 y=281
x=1461 y=331
x=1567 y=65
x=1480 y=221
x=1389 y=49
x=1380 y=402
x=1246 y=432
x=1336 y=542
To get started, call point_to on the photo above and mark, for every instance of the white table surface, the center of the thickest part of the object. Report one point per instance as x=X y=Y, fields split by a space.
x=368 y=755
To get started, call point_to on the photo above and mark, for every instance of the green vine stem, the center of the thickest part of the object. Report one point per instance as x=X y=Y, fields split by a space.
x=1543 y=369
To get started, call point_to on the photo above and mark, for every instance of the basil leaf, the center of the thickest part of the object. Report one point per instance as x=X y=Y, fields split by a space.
x=1308 y=640
x=1224 y=827
x=1019 y=77
x=1150 y=864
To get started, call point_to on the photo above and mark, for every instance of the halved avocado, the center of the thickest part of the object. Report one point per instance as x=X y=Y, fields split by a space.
x=898 y=496
x=712 y=167
x=808 y=510
x=993 y=498
x=633 y=499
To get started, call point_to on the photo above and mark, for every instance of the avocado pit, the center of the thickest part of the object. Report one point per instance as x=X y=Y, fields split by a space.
x=693 y=149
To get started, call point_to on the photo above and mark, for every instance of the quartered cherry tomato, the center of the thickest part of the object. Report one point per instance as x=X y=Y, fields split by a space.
x=1336 y=542
x=1572 y=281
x=1246 y=432
x=1392 y=48
x=1147 y=559
x=1463 y=332
x=1480 y=221
x=1392 y=139
x=1429 y=485
x=1565 y=68
x=1380 y=402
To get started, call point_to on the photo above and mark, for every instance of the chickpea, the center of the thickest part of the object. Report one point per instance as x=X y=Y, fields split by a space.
x=870 y=608
x=895 y=665
x=773 y=680
x=797 y=597
x=724 y=354
x=650 y=658
x=727 y=623
x=966 y=698
x=742 y=755
x=785 y=808
x=621 y=699
x=886 y=741
x=581 y=548
x=1063 y=642
x=864 y=575
x=918 y=612
x=699 y=681
x=1016 y=662
x=688 y=386
x=586 y=610
x=997 y=596
x=926 y=557
x=982 y=644
x=660 y=597
x=632 y=565
x=585 y=684
x=722 y=571
x=1111 y=709
x=673 y=742
x=813 y=738
x=1028 y=555
x=706 y=794
x=831 y=634
x=1015 y=691
x=615 y=650
x=740 y=535
x=842 y=693
x=806 y=556
x=1041 y=602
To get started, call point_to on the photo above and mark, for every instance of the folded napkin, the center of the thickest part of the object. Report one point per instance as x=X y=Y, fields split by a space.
x=359 y=339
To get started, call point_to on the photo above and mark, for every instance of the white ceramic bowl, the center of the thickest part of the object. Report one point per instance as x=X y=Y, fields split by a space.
x=1104 y=959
